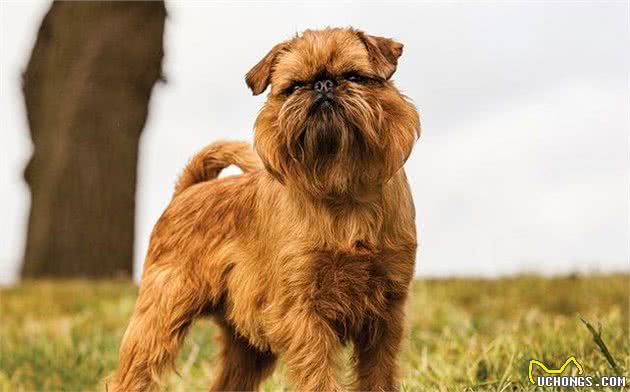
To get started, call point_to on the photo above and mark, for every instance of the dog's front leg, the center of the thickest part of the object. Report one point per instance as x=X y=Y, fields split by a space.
x=311 y=349
x=166 y=305
x=376 y=351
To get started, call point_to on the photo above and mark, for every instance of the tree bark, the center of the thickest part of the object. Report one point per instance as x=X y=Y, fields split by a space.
x=87 y=88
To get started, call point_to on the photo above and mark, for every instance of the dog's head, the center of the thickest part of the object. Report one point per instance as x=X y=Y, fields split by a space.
x=333 y=123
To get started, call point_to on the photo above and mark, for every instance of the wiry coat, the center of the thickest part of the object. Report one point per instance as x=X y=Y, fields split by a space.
x=311 y=248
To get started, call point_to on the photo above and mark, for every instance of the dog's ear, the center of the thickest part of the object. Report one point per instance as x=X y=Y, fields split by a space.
x=259 y=77
x=383 y=52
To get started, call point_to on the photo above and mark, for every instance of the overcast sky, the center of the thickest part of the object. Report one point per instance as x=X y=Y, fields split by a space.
x=523 y=162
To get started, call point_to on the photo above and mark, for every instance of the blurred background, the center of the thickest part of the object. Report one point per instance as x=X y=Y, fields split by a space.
x=523 y=165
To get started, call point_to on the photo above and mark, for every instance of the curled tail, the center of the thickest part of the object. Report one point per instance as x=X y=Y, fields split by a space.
x=208 y=163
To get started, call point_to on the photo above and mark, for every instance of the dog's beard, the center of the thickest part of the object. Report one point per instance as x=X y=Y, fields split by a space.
x=337 y=150
x=333 y=144
x=323 y=132
x=323 y=136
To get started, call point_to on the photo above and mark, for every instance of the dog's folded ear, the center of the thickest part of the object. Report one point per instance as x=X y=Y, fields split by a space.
x=383 y=52
x=259 y=77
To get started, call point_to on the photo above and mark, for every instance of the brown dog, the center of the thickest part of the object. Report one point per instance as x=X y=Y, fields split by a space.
x=298 y=258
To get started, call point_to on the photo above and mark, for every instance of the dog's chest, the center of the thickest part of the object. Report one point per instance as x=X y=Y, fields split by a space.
x=349 y=287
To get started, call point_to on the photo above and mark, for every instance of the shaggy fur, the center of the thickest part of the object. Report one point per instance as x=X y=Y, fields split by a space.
x=313 y=247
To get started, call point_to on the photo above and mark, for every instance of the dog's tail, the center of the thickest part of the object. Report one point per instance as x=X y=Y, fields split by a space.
x=208 y=163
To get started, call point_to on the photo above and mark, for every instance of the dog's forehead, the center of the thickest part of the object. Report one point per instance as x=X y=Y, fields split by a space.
x=335 y=51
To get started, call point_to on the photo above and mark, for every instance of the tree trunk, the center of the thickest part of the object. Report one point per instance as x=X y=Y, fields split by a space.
x=87 y=88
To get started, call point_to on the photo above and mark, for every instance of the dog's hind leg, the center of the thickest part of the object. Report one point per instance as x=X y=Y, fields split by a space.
x=168 y=301
x=241 y=366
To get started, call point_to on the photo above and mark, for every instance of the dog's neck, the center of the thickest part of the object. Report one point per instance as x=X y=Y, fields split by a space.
x=350 y=221
x=333 y=201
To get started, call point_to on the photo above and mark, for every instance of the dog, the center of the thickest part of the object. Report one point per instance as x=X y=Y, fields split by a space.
x=311 y=248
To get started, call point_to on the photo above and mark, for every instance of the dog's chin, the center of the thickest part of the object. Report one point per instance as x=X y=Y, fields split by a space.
x=326 y=133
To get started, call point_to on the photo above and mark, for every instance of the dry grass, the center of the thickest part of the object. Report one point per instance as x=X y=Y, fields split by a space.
x=464 y=334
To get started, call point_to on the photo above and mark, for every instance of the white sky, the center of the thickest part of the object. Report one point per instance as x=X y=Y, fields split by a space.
x=523 y=163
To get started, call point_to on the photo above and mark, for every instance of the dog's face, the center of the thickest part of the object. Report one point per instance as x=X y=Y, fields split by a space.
x=333 y=123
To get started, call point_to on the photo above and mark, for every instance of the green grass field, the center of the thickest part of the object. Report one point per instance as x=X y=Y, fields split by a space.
x=464 y=334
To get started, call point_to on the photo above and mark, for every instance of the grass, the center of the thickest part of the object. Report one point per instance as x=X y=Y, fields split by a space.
x=464 y=334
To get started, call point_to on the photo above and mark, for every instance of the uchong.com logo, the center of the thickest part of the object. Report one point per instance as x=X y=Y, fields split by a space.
x=554 y=377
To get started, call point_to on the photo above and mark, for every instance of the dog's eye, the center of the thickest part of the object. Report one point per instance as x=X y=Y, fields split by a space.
x=355 y=77
x=293 y=87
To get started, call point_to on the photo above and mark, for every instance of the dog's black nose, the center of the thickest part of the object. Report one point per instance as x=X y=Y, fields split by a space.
x=323 y=86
